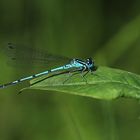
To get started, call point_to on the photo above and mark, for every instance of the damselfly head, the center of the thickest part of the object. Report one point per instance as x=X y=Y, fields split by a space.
x=89 y=61
x=90 y=64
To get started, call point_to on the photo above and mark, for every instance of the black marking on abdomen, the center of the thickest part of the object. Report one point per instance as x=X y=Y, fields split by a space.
x=49 y=71
x=34 y=76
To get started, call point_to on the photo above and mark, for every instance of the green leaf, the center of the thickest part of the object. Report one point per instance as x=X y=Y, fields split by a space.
x=104 y=83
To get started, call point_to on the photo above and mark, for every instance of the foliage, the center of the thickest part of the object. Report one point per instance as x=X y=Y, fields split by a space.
x=105 y=83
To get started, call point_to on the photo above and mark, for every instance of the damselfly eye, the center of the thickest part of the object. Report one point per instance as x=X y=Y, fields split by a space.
x=90 y=61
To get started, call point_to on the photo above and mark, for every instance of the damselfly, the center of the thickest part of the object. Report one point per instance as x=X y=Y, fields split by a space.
x=76 y=64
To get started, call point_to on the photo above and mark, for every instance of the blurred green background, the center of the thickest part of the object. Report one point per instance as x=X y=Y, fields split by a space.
x=107 y=30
